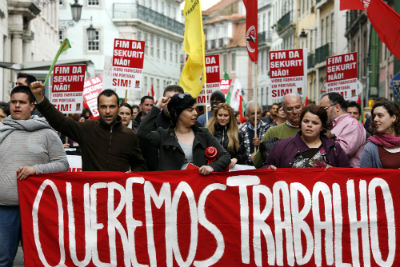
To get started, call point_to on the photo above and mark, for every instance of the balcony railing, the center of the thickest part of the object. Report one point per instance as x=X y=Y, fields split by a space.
x=284 y=21
x=265 y=36
x=310 y=61
x=322 y=52
x=136 y=11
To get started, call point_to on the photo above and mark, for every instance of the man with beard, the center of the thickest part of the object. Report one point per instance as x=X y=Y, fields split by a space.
x=349 y=132
x=106 y=145
x=293 y=107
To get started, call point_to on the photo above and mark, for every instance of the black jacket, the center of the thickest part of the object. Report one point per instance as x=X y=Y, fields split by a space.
x=104 y=148
x=221 y=135
x=170 y=153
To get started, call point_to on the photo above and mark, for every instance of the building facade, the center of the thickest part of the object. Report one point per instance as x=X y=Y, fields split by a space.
x=28 y=33
x=266 y=37
x=157 y=22
x=225 y=30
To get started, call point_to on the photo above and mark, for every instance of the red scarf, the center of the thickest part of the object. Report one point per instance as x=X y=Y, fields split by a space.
x=385 y=140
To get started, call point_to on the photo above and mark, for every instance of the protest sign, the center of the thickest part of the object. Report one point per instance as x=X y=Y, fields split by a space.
x=213 y=80
x=67 y=88
x=127 y=64
x=307 y=217
x=288 y=73
x=341 y=75
x=225 y=86
x=91 y=90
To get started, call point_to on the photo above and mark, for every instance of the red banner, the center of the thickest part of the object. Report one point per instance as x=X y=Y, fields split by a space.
x=67 y=88
x=92 y=89
x=212 y=69
x=288 y=73
x=225 y=85
x=213 y=80
x=127 y=64
x=351 y=4
x=309 y=217
x=341 y=75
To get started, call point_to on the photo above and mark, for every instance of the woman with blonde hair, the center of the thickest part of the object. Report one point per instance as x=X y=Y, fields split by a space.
x=224 y=127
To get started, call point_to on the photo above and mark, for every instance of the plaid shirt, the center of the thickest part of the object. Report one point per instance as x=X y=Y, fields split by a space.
x=244 y=130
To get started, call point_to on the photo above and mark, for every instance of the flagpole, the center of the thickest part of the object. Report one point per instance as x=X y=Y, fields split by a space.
x=206 y=109
x=255 y=101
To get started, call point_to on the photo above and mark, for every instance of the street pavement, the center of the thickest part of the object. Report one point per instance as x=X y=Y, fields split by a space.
x=19 y=259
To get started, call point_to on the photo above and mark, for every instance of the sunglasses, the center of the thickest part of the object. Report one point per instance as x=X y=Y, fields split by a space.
x=182 y=96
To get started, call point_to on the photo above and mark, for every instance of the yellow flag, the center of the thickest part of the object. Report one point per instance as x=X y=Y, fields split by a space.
x=192 y=79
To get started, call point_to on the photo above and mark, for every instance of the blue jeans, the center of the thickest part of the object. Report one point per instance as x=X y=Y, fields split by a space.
x=10 y=234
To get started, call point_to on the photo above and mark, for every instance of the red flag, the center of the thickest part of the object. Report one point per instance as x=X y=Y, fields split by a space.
x=384 y=19
x=386 y=23
x=251 y=29
x=351 y=4
x=359 y=100
x=241 y=111
x=153 y=94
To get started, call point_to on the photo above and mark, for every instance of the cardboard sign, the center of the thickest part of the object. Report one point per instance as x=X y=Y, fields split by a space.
x=127 y=64
x=288 y=73
x=67 y=89
x=307 y=217
x=92 y=89
x=225 y=85
x=213 y=80
x=341 y=75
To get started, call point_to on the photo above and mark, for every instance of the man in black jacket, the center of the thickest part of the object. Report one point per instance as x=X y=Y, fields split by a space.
x=106 y=144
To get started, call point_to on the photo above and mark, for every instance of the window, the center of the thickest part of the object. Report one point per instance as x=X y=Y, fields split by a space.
x=165 y=50
x=93 y=2
x=176 y=53
x=145 y=83
x=322 y=32
x=233 y=62
x=61 y=34
x=147 y=45
x=157 y=88
x=327 y=29
x=225 y=63
x=170 y=52
x=95 y=44
x=332 y=26
x=158 y=47
x=151 y=45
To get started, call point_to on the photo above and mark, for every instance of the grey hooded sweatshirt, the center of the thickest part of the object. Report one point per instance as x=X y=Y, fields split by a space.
x=27 y=143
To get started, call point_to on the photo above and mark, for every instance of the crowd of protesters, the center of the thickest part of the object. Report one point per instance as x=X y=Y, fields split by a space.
x=171 y=134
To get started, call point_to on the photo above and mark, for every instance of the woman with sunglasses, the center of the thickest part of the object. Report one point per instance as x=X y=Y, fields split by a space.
x=310 y=148
x=223 y=126
x=383 y=148
x=184 y=142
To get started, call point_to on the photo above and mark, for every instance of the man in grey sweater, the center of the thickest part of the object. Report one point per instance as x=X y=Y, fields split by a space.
x=28 y=146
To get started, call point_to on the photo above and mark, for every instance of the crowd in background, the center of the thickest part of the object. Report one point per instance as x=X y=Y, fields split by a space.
x=174 y=133
x=288 y=135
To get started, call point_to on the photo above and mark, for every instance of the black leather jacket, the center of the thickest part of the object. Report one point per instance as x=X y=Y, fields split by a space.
x=222 y=137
